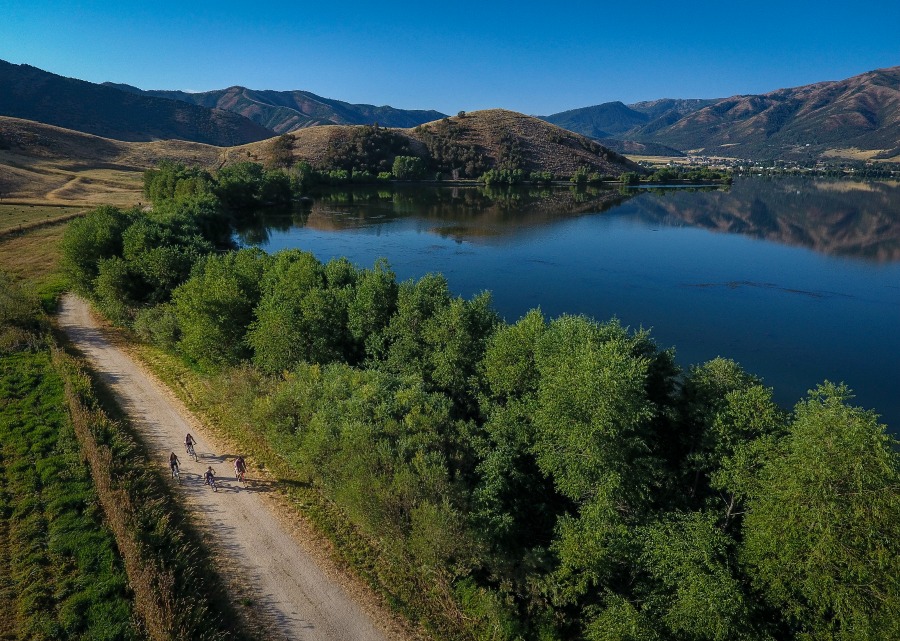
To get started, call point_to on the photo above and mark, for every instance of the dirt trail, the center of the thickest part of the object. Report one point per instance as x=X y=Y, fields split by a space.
x=302 y=601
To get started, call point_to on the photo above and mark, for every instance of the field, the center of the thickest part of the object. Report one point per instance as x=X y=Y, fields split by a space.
x=62 y=576
x=33 y=257
x=14 y=217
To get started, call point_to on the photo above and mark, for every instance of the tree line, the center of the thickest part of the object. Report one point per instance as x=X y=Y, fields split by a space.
x=555 y=479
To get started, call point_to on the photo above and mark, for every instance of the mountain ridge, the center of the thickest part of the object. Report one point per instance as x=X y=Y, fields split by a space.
x=828 y=118
x=34 y=94
x=286 y=111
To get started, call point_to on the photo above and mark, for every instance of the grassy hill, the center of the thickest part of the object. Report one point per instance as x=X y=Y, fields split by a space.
x=46 y=164
x=32 y=94
x=286 y=111
x=465 y=146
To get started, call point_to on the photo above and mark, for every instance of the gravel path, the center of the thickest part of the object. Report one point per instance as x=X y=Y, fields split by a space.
x=300 y=599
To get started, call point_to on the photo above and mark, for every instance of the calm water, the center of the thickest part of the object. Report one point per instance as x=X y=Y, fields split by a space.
x=798 y=280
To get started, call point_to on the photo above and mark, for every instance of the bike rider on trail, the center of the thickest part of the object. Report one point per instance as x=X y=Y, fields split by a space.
x=189 y=442
x=173 y=463
x=210 y=478
x=240 y=467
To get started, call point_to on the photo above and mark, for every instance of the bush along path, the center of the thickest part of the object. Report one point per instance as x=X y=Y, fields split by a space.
x=300 y=600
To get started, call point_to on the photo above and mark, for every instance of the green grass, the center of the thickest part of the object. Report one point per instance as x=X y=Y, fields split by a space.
x=63 y=578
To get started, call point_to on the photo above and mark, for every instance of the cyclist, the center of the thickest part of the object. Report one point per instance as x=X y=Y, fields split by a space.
x=210 y=478
x=240 y=467
x=173 y=464
x=189 y=445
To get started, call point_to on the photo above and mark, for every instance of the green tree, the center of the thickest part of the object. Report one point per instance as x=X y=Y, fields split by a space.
x=91 y=239
x=171 y=181
x=303 y=312
x=215 y=306
x=281 y=154
x=693 y=589
x=374 y=302
x=408 y=167
x=592 y=421
x=822 y=530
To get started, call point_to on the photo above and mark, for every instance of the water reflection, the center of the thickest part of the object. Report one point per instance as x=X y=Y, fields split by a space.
x=836 y=217
x=462 y=213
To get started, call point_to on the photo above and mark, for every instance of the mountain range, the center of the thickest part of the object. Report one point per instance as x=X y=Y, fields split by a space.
x=33 y=94
x=856 y=118
x=286 y=111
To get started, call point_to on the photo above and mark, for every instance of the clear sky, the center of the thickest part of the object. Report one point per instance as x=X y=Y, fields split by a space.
x=537 y=58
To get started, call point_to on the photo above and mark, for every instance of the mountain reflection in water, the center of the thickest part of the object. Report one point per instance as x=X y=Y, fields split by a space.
x=837 y=217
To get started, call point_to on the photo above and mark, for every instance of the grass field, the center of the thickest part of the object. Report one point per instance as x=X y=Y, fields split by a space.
x=33 y=257
x=16 y=216
x=62 y=576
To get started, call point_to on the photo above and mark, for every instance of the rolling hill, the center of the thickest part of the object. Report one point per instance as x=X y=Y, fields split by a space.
x=286 y=111
x=466 y=146
x=42 y=163
x=33 y=94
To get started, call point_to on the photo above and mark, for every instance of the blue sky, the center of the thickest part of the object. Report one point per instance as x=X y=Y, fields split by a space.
x=529 y=57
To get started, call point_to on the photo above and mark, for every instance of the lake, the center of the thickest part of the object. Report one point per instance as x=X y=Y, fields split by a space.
x=796 y=279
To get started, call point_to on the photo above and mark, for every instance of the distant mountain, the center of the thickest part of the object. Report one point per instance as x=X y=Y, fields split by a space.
x=859 y=113
x=855 y=118
x=30 y=93
x=611 y=119
x=635 y=148
x=618 y=120
x=286 y=111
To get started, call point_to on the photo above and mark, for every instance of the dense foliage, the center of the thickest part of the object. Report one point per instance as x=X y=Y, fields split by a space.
x=449 y=154
x=370 y=149
x=552 y=479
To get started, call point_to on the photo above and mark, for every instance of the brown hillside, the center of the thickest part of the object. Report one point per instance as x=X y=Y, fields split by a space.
x=500 y=137
x=543 y=146
x=47 y=164
x=861 y=113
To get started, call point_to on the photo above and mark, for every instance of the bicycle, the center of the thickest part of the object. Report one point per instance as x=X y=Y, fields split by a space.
x=176 y=474
x=212 y=484
x=189 y=448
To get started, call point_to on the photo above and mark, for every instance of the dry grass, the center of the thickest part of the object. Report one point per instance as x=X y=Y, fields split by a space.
x=852 y=153
x=43 y=164
x=24 y=216
x=32 y=256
